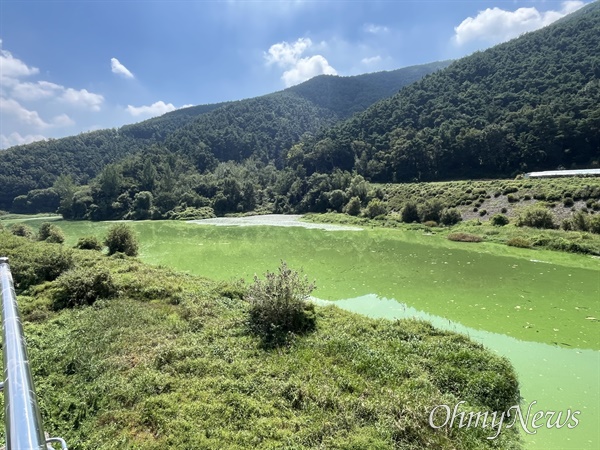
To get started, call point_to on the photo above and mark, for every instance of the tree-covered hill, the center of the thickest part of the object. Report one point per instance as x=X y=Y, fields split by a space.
x=261 y=126
x=532 y=103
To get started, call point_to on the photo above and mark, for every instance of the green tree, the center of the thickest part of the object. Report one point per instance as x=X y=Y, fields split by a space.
x=121 y=238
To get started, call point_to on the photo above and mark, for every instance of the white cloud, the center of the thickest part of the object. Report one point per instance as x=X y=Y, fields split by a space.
x=307 y=68
x=495 y=25
x=371 y=61
x=62 y=120
x=16 y=139
x=43 y=90
x=375 y=29
x=12 y=68
x=13 y=108
x=156 y=109
x=35 y=91
x=298 y=69
x=120 y=69
x=83 y=98
x=285 y=54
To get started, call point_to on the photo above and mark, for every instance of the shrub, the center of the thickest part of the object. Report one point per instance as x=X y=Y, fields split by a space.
x=430 y=223
x=568 y=202
x=499 y=220
x=375 y=208
x=50 y=233
x=278 y=305
x=512 y=199
x=536 y=217
x=519 y=242
x=83 y=286
x=594 y=224
x=450 y=216
x=410 y=213
x=193 y=213
x=352 y=208
x=464 y=237
x=483 y=212
x=504 y=210
x=89 y=243
x=31 y=266
x=120 y=238
x=580 y=221
x=430 y=210
x=20 y=229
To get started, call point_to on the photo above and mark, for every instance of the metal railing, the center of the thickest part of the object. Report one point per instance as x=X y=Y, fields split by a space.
x=22 y=418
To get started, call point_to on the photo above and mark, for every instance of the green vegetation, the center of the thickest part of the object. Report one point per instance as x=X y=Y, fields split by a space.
x=529 y=104
x=50 y=233
x=121 y=239
x=279 y=306
x=195 y=138
x=89 y=243
x=170 y=363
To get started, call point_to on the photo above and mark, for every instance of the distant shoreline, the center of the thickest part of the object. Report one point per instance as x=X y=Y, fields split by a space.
x=276 y=220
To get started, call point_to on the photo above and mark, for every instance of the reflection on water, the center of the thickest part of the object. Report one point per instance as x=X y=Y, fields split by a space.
x=557 y=378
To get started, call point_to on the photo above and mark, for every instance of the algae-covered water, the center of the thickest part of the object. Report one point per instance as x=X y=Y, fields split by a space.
x=538 y=308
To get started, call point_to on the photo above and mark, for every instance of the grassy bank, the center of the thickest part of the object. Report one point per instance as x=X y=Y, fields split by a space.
x=168 y=361
x=525 y=237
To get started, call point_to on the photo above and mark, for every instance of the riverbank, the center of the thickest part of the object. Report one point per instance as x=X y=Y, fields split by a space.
x=509 y=234
x=168 y=362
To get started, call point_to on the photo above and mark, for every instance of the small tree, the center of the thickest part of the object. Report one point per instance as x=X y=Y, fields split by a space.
x=375 y=208
x=450 y=216
x=278 y=305
x=410 y=213
x=353 y=207
x=121 y=238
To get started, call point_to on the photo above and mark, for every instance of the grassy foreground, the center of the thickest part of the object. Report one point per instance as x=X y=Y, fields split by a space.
x=169 y=362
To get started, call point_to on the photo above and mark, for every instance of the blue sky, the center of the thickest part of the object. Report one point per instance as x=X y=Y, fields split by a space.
x=68 y=67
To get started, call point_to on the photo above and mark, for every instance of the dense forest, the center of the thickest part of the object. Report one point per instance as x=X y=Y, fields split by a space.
x=261 y=127
x=530 y=104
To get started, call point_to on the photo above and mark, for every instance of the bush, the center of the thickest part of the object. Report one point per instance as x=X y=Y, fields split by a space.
x=568 y=202
x=353 y=207
x=536 y=217
x=594 y=224
x=278 y=305
x=410 y=213
x=519 y=242
x=22 y=230
x=450 y=216
x=430 y=210
x=89 y=243
x=83 y=286
x=375 y=208
x=50 y=233
x=120 y=238
x=464 y=237
x=499 y=220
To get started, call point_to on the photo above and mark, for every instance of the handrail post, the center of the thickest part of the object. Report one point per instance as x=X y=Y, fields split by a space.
x=22 y=418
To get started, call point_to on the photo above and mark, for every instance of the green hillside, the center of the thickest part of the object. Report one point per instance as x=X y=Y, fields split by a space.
x=262 y=126
x=530 y=104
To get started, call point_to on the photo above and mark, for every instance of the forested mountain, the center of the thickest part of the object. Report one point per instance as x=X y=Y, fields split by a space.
x=530 y=104
x=260 y=127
